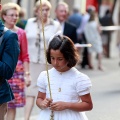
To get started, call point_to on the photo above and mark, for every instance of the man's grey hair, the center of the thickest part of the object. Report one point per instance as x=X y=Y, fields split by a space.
x=64 y=4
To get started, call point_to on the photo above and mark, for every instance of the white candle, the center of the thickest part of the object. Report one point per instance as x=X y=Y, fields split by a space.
x=82 y=45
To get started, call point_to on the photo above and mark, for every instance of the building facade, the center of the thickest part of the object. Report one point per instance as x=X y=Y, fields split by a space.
x=29 y=5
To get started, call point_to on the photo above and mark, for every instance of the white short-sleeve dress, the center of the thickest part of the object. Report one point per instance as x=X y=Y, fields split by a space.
x=68 y=87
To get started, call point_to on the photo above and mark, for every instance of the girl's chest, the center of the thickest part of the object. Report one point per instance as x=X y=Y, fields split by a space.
x=62 y=87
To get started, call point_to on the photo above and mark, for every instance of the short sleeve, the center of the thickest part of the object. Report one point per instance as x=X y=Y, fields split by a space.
x=41 y=82
x=83 y=85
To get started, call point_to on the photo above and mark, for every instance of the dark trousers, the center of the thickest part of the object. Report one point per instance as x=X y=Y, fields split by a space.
x=84 y=53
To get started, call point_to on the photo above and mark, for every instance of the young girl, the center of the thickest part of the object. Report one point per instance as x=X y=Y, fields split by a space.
x=70 y=88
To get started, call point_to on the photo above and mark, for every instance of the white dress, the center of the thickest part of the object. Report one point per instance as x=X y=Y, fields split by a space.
x=93 y=37
x=72 y=83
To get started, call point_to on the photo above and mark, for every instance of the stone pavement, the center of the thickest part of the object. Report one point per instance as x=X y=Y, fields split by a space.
x=105 y=90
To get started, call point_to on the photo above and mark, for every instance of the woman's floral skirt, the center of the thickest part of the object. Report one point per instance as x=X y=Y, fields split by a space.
x=17 y=84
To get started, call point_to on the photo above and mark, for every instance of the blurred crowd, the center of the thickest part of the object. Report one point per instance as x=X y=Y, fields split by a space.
x=80 y=28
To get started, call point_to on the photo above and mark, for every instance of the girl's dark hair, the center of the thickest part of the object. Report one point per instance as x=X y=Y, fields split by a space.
x=66 y=47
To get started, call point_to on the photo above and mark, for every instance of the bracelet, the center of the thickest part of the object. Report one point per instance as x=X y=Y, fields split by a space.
x=27 y=73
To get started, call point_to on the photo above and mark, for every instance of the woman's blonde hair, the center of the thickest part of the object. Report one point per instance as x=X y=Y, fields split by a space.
x=9 y=6
x=44 y=2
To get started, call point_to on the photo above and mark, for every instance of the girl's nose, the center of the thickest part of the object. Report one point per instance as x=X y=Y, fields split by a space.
x=55 y=62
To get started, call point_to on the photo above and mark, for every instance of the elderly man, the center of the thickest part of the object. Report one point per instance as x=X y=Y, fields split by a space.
x=9 y=51
x=68 y=29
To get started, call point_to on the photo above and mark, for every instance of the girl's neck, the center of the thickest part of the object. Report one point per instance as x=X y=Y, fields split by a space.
x=63 y=70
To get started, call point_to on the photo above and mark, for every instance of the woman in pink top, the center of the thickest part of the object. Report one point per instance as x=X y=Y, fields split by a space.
x=21 y=76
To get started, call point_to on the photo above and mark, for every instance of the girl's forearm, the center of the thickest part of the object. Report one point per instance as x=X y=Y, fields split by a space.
x=80 y=106
x=38 y=103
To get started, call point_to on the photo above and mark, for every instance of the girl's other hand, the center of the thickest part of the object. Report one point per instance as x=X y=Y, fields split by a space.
x=58 y=106
x=46 y=103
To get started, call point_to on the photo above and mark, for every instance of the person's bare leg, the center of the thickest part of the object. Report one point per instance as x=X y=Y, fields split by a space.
x=29 y=106
x=3 y=111
x=90 y=60
x=105 y=50
x=11 y=113
x=99 y=61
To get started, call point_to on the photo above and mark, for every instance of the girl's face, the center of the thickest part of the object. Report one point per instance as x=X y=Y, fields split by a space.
x=11 y=17
x=58 y=61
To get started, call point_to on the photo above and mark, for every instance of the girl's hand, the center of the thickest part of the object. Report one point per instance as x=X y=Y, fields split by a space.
x=58 y=106
x=46 y=103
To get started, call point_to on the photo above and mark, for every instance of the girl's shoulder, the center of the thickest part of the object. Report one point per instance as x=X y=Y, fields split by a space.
x=81 y=80
x=79 y=75
x=45 y=73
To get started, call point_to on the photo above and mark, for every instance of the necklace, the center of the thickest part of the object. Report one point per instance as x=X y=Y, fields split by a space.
x=59 y=90
x=60 y=84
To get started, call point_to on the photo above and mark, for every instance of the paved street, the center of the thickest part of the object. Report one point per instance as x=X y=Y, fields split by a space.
x=105 y=91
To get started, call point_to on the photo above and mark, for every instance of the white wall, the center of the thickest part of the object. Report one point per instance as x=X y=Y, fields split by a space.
x=81 y=4
x=53 y=3
x=116 y=12
x=5 y=1
x=29 y=6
